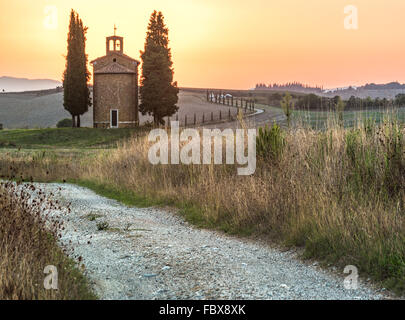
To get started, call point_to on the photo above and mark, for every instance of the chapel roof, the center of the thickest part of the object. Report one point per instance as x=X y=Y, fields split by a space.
x=114 y=68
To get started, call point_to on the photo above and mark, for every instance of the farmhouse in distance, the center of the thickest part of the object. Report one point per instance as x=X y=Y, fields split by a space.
x=115 y=87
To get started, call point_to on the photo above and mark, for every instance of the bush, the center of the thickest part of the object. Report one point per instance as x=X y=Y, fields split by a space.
x=270 y=142
x=65 y=123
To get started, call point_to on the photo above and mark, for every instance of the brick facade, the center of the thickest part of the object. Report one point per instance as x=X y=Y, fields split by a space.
x=115 y=86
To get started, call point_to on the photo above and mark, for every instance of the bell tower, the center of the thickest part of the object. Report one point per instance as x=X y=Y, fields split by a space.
x=114 y=44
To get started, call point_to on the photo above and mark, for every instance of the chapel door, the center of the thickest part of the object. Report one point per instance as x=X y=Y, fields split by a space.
x=114 y=119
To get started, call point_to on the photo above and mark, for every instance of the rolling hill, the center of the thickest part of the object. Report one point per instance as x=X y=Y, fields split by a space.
x=31 y=110
x=43 y=109
x=11 y=84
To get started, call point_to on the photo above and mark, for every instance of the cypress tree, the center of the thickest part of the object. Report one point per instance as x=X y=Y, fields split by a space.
x=158 y=92
x=76 y=97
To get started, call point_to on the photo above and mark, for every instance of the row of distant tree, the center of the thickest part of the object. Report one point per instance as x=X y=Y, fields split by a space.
x=288 y=86
x=158 y=92
x=314 y=102
x=303 y=87
x=385 y=86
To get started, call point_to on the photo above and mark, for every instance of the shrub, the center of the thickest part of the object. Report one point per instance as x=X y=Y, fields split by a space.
x=65 y=123
x=287 y=105
x=270 y=142
x=393 y=144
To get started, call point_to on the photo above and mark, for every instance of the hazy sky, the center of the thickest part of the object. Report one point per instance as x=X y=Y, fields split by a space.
x=220 y=43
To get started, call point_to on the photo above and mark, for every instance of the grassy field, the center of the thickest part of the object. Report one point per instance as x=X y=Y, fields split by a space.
x=64 y=138
x=339 y=193
x=319 y=119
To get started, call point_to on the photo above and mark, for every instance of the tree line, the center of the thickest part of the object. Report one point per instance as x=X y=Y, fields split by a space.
x=288 y=86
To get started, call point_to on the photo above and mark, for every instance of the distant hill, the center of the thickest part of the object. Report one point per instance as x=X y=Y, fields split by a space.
x=39 y=109
x=373 y=90
x=11 y=84
x=385 y=90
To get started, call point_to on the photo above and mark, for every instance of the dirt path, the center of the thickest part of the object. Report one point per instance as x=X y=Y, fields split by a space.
x=153 y=254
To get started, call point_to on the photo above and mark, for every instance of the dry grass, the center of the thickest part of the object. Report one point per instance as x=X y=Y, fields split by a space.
x=339 y=193
x=28 y=243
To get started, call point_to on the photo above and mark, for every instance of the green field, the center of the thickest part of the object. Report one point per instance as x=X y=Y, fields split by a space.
x=64 y=138
x=319 y=119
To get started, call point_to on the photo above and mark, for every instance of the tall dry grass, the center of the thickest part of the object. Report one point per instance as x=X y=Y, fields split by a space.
x=340 y=193
x=28 y=243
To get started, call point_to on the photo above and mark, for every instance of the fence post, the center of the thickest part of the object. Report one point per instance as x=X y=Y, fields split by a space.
x=195 y=118
x=212 y=116
x=220 y=115
x=177 y=117
x=203 y=118
x=232 y=101
x=229 y=113
x=185 y=120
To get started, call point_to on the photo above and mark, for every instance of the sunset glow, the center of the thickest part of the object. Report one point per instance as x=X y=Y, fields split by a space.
x=219 y=44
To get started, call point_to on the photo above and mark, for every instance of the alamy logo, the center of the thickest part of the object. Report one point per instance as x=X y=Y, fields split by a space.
x=51 y=17
x=51 y=280
x=191 y=145
x=351 y=281
x=351 y=21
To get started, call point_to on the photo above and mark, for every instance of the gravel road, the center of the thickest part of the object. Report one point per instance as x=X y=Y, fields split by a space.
x=151 y=253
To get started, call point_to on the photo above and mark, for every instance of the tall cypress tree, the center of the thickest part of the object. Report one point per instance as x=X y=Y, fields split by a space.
x=76 y=98
x=158 y=92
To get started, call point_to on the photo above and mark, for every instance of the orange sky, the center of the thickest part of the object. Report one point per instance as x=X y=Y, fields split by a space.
x=220 y=43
